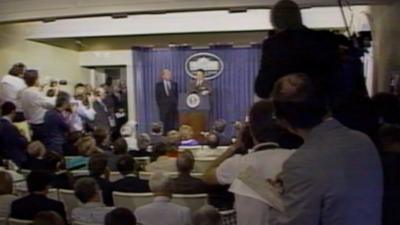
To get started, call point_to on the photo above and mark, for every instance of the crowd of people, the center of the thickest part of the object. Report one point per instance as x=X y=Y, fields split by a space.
x=317 y=143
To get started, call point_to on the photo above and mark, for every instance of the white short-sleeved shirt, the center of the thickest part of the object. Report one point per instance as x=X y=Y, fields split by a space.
x=35 y=104
x=10 y=86
x=268 y=164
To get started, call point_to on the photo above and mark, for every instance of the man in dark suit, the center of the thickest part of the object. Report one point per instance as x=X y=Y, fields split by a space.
x=12 y=142
x=185 y=183
x=27 y=207
x=104 y=117
x=200 y=85
x=296 y=49
x=129 y=183
x=99 y=171
x=167 y=100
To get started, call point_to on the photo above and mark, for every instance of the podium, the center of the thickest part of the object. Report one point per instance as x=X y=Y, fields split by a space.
x=194 y=110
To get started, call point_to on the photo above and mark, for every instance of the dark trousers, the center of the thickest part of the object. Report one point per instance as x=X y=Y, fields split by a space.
x=38 y=132
x=169 y=119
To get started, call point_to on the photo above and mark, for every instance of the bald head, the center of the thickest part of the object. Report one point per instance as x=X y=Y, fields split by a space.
x=286 y=15
x=185 y=162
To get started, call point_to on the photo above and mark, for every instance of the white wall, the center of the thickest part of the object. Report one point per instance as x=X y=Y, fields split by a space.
x=54 y=62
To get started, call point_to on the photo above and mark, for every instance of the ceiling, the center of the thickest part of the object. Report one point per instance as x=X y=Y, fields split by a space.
x=29 y=10
x=161 y=41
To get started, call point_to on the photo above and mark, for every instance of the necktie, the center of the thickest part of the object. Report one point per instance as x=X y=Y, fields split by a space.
x=167 y=87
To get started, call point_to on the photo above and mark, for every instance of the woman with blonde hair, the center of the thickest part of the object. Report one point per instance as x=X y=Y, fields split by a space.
x=186 y=133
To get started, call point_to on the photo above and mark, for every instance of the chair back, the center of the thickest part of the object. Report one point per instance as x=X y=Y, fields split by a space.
x=228 y=217
x=24 y=172
x=53 y=194
x=3 y=221
x=78 y=173
x=144 y=175
x=69 y=199
x=192 y=201
x=12 y=221
x=202 y=164
x=141 y=162
x=132 y=200
x=83 y=223
x=114 y=176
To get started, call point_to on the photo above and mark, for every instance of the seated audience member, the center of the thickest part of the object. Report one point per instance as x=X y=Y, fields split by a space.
x=160 y=160
x=161 y=211
x=100 y=172
x=120 y=216
x=86 y=146
x=212 y=141
x=92 y=209
x=27 y=207
x=10 y=85
x=12 y=142
x=186 y=133
x=102 y=138
x=130 y=182
x=119 y=148
x=173 y=138
x=35 y=104
x=56 y=124
x=219 y=129
x=6 y=196
x=332 y=171
x=156 y=134
x=55 y=164
x=207 y=215
x=389 y=139
x=128 y=132
x=48 y=218
x=185 y=183
x=84 y=113
x=266 y=159
x=36 y=152
x=143 y=142
x=70 y=147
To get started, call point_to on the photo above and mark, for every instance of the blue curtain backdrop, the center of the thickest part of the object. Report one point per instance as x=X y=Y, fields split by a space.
x=233 y=91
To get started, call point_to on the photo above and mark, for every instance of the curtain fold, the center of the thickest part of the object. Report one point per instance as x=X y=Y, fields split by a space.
x=233 y=90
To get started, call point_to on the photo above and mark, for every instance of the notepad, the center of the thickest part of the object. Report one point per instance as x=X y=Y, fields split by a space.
x=261 y=188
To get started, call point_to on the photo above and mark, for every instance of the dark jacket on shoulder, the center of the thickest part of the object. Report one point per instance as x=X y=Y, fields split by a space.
x=27 y=207
x=131 y=184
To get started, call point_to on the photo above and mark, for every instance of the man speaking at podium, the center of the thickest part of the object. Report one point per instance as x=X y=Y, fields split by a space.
x=200 y=85
x=167 y=100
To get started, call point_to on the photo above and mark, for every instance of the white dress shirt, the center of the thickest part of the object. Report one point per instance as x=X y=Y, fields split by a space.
x=167 y=87
x=162 y=212
x=35 y=104
x=10 y=86
x=268 y=163
x=82 y=112
x=92 y=212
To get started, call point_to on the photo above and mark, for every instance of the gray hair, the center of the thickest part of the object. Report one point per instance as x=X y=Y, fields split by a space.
x=286 y=15
x=185 y=162
x=85 y=189
x=160 y=182
x=207 y=215
x=144 y=140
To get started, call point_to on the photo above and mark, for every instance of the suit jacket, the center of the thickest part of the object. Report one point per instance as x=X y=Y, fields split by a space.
x=312 y=52
x=166 y=102
x=335 y=177
x=12 y=143
x=186 y=184
x=27 y=207
x=205 y=86
x=56 y=128
x=103 y=114
x=131 y=184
